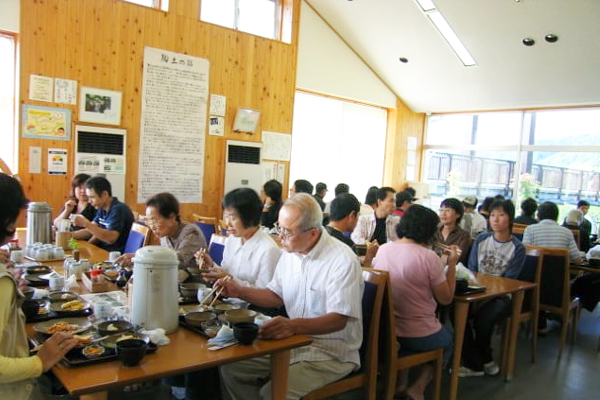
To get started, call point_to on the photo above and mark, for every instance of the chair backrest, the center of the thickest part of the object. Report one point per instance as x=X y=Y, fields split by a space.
x=208 y=225
x=216 y=248
x=372 y=300
x=139 y=236
x=518 y=230
x=577 y=237
x=555 y=285
x=532 y=272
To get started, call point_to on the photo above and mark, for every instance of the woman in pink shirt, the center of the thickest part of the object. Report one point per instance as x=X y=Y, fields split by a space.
x=418 y=283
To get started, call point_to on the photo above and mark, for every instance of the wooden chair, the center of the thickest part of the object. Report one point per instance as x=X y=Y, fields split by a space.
x=366 y=377
x=139 y=236
x=531 y=272
x=577 y=237
x=518 y=230
x=555 y=291
x=208 y=225
x=393 y=363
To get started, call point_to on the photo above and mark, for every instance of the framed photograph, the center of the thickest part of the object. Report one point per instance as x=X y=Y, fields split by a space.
x=100 y=106
x=246 y=120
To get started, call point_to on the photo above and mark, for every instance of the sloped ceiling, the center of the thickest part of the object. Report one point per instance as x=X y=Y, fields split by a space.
x=507 y=75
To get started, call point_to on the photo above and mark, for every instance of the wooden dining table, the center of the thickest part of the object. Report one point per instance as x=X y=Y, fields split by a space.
x=186 y=352
x=495 y=286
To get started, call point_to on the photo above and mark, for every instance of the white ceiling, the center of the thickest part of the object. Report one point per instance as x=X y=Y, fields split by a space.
x=508 y=74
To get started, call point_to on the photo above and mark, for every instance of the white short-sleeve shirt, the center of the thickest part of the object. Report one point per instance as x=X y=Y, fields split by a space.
x=252 y=263
x=326 y=280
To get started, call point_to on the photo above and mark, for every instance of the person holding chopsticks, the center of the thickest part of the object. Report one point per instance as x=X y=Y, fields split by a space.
x=418 y=284
x=78 y=202
x=496 y=253
x=450 y=233
x=19 y=370
x=250 y=254
x=318 y=279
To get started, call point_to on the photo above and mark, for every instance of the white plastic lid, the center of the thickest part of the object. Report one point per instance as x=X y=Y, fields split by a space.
x=156 y=255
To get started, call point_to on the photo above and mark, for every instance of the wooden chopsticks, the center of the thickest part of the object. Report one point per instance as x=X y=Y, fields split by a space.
x=214 y=289
x=446 y=248
x=39 y=346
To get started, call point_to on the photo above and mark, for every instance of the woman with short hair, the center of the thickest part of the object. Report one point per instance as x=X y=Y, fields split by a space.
x=449 y=233
x=250 y=254
x=78 y=201
x=419 y=283
x=162 y=216
x=18 y=369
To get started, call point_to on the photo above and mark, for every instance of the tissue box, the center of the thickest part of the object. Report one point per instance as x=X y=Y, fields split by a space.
x=95 y=287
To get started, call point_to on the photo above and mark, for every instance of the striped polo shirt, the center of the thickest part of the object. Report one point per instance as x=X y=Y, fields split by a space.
x=547 y=233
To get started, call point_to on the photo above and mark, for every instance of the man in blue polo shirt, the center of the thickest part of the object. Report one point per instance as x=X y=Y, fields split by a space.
x=112 y=223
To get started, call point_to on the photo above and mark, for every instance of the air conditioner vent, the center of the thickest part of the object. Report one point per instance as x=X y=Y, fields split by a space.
x=244 y=155
x=100 y=143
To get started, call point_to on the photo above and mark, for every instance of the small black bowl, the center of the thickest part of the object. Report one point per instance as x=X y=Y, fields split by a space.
x=28 y=292
x=594 y=262
x=30 y=308
x=245 y=332
x=106 y=328
x=131 y=351
x=462 y=285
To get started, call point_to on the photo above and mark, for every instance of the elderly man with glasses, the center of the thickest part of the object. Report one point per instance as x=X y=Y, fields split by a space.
x=318 y=280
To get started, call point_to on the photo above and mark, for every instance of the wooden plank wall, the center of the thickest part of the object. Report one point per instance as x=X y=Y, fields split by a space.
x=402 y=123
x=100 y=43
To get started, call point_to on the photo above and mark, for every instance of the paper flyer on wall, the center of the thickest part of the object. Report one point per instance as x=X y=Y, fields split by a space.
x=276 y=146
x=40 y=88
x=88 y=163
x=57 y=161
x=65 y=91
x=113 y=164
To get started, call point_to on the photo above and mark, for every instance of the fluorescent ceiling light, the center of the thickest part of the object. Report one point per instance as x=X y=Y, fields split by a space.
x=451 y=37
x=426 y=5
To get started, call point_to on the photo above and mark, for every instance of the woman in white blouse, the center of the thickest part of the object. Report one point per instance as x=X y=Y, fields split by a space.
x=250 y=254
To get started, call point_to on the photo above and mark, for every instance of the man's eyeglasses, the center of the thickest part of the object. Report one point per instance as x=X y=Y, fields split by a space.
x=285 y=233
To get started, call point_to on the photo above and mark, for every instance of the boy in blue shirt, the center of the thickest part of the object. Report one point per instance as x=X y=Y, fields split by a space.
x=112 y=223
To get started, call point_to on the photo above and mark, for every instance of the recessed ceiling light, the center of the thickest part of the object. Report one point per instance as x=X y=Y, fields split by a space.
x=528 y=42
x=551 y=38
x=403 y=60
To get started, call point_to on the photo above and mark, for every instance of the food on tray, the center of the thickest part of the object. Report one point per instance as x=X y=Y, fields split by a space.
x=62 y=327
x=124 y=337
x=73 y=305
x=93 y=350
x=43 y=309
x=84 y=339
x=66 y=296
x=112 y=328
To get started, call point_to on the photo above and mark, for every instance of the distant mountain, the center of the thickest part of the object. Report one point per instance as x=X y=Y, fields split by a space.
x=584 y=161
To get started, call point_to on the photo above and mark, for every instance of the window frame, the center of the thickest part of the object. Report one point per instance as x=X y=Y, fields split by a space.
x=519 y=148
x=281 y=28
x=14 y=162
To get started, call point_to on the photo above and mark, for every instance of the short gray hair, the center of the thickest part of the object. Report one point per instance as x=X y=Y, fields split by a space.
x=310 y=211
x=575 y=217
